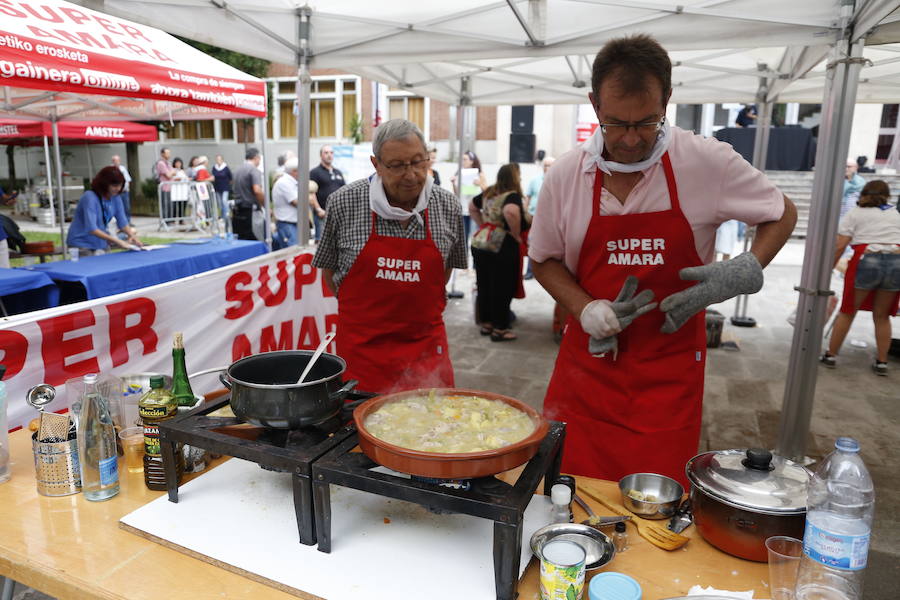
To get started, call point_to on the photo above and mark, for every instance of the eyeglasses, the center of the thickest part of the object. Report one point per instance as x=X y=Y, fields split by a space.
x=643 y=127
x=401 y=167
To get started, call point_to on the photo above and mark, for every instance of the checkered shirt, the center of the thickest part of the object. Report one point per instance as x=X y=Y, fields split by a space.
x=349 y=223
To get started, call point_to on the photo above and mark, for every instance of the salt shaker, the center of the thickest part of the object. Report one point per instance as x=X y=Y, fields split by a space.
x=620 y=538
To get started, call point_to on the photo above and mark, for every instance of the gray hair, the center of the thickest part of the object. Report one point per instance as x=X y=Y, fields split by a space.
x=291 y=164
x=395 y=129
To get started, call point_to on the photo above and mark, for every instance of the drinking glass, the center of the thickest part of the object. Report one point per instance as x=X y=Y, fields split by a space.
x=133 y=446
x=784 y=560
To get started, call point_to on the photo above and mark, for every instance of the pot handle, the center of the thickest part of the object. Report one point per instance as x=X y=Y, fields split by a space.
x=224 y=379
x=342 y=393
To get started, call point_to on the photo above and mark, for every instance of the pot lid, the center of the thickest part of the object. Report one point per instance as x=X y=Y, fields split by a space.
x=754 y=479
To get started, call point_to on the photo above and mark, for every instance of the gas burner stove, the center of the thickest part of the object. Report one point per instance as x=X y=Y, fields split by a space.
x=485 y=497
x=280 y=450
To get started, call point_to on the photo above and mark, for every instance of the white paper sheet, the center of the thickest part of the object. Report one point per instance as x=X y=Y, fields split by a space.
x=449 y=555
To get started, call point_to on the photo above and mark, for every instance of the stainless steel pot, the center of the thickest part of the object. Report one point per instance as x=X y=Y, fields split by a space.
x=265 y=392
x=740 y=498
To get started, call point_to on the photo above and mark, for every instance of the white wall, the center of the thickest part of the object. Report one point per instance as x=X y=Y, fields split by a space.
x=864 y=134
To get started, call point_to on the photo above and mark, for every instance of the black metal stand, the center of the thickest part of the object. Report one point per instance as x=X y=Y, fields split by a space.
x=488 y=497
x=278 y=450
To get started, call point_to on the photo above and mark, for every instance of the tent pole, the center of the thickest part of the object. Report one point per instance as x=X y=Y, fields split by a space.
x=267 y=234
x=302 y=89
x=465 y=99
x=59 y=185
x=760 y=154
x=25 y=150
x=87 y=148
x=815 y=279
x=49 y=174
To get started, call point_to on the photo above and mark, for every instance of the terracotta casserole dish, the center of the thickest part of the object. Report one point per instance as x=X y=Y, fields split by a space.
x=440 y=465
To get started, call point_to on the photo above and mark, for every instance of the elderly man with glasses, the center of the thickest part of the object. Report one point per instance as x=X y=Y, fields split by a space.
x=626 y=219
x=388 y=246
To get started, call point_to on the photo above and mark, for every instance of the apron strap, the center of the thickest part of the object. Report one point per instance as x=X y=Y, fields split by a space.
x=670 y=184
x=425 y=224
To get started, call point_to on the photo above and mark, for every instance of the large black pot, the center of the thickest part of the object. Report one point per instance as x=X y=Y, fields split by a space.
x=740 y=498
x=264 y=388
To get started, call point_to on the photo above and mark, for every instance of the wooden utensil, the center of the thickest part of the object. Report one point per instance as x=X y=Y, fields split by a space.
x=655 y=534
x=322 y=345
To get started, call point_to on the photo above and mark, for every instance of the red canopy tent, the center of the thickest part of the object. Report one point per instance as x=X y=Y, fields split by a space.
x=60 y=62
x=31 y=133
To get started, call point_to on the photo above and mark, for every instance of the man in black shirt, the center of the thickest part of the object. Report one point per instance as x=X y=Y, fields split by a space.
x=329 y=179
x=747 y=116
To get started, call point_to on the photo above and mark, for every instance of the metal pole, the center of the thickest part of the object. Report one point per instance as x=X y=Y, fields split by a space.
x=815 y=279
x=267 y=235
x=303 y=88
x=59 y=186
x=465 y=99
x=48 y=174
x=87 y=148
x=760 y=154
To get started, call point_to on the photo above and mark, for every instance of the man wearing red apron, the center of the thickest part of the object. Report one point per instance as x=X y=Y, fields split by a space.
x=387 y=250
x=626 y=219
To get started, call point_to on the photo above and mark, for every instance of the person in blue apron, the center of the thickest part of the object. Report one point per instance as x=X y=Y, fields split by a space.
x=89 y=232
x=627 y=220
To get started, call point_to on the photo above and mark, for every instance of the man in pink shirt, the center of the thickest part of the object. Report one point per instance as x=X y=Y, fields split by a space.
x=636 y=207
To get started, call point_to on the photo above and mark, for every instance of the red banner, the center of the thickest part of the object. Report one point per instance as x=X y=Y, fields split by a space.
x=32 y=132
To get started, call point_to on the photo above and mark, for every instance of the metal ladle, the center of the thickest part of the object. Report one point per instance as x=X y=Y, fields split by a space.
x=325 y=341
x=595 y=521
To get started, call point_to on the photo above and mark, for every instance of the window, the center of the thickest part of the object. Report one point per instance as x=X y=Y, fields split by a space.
x=333 y=103
x=226 y=130
x=192 y=130
x=889 y=115
x=402 y=105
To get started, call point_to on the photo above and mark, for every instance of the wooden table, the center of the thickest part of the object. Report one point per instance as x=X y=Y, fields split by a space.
x=71 y=548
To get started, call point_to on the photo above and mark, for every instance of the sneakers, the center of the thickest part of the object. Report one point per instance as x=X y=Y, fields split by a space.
x=880 y=368
x=828 y=360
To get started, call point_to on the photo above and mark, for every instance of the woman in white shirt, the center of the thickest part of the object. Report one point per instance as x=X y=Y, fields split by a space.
x=872 y=281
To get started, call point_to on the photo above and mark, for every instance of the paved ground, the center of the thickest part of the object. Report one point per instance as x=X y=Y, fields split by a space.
x=744 y=388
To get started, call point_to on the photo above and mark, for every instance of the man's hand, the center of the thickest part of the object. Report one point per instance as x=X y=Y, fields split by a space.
x=718 y=282
x=599 y=320
x=320 y=212
x=626 y=307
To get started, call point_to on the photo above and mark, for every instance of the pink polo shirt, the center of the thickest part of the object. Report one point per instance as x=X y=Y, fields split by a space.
x=714 y=182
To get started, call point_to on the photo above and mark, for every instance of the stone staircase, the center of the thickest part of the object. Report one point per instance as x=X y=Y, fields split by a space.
x=797 y=185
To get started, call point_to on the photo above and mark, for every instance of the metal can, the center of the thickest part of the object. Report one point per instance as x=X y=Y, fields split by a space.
x=562 y=570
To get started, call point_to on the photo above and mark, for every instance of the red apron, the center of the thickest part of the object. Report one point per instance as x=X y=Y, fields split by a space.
x=639 y=411
x=847 y=298
x=390 y=326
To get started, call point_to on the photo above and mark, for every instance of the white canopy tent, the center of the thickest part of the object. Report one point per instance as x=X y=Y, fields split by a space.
x=61 y=62
x=538 y=51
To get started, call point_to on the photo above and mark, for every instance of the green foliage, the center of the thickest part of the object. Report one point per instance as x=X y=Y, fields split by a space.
x=250 y=65
x=148 y=188
x=356 y=128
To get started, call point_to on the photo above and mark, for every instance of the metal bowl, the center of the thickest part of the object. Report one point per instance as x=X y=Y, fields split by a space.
x=597 y=546
x=666 y=491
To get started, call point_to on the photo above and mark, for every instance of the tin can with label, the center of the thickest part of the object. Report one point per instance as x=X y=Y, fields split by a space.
x=562 y=570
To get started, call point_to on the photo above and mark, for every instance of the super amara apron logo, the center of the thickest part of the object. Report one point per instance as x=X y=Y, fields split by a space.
x=396 y=269
x=636 y=251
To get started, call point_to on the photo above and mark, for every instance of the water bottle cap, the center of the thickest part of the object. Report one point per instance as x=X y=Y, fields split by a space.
x=846 y=444
x=157 y=381
x=90 y=378
x=560 y=494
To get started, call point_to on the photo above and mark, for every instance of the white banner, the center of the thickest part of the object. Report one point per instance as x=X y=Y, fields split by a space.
x=277 y=301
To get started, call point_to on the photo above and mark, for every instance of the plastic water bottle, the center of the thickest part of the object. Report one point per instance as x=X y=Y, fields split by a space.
x=560 y=496
x=97 y=444
x=838 y=523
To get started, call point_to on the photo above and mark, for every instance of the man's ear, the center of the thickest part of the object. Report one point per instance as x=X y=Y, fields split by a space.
x=592 y=100
x=374 y=162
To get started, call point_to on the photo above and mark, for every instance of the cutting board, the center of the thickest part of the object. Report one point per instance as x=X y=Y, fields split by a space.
x=242 y=518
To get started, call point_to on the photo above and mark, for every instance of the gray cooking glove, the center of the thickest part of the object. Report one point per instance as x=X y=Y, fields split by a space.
x=627 y=308
x=718 y=282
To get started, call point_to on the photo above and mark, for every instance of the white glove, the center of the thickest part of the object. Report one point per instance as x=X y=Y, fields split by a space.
x=598 y=319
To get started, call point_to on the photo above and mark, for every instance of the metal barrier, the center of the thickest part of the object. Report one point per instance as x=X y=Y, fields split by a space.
x=188 y=206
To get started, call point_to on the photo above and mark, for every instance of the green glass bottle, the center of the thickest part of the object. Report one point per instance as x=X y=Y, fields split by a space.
x=181 y=386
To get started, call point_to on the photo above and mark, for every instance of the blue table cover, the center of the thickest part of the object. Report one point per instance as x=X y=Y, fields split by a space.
x=23 y=291
x=118 y=272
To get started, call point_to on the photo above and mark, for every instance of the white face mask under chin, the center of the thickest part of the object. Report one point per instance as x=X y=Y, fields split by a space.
x=594 y=148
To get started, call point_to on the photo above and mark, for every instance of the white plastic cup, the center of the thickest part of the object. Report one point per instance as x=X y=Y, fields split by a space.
x=73 y=254
x=784 y=560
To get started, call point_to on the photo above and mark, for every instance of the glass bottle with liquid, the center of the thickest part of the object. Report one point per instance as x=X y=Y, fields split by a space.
x=97 y=444
x=181 y=385
x=155 y=406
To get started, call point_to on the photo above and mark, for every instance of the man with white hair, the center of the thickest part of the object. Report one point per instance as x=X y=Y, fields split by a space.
x=284 y=197
x=387 y=249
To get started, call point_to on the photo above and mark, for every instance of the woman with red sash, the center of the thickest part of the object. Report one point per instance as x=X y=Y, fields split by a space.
x=872 y=280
